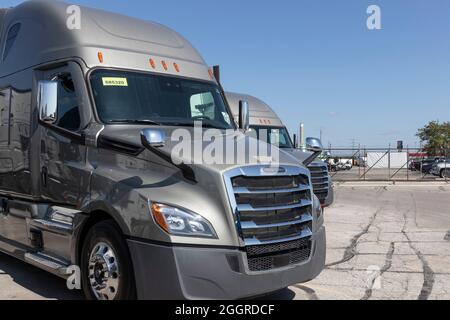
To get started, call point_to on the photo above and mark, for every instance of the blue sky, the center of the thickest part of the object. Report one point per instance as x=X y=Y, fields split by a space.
x=315 y=61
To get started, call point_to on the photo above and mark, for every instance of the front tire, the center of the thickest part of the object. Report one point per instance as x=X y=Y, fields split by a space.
x=445 y=173
x=106 y=267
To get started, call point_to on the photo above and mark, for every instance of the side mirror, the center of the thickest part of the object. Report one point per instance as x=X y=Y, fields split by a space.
x=244 y=115
x=48 y=101
x=153 y=138
x=314 y=145
x=295 y=141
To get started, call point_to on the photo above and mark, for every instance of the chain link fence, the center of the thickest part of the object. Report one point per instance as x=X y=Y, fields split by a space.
x=387 y=164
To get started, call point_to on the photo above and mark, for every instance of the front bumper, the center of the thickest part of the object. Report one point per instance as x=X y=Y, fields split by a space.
x=192 y=273
x=329 y=200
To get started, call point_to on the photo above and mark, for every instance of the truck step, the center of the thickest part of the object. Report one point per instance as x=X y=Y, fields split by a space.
x=47 y=263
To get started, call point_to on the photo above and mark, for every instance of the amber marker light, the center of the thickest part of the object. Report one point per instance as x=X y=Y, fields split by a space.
x=177 y=68
x=100 y=57
x=152 y=63
x=211 y=73
x=159 y=218
x=164 y=64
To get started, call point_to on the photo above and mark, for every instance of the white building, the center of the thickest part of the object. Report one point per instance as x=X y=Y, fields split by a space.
x=381 y=160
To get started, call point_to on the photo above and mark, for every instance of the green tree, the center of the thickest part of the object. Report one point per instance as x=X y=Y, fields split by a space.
x=436 y=138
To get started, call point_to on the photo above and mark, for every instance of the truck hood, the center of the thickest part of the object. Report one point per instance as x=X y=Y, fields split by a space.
x=298 y=154
x=301 y=156
x=130 y=173
x=129 y=137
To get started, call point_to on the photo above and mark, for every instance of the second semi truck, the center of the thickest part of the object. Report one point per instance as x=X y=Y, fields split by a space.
x=263 y=118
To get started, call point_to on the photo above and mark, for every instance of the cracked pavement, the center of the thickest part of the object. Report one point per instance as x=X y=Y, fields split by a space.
x=389 y=242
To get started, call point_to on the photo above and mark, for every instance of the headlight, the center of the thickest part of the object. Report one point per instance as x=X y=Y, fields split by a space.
x=317 y=206
x=181 y=222
x=318 y=212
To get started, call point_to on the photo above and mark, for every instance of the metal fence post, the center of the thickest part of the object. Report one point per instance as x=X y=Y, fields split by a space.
x=365 y=152
x=389 y=162
x=445 y=165
x=359 y=160
x=407 y=163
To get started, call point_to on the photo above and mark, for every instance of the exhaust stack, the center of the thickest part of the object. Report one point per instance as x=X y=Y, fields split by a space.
x=301 y=141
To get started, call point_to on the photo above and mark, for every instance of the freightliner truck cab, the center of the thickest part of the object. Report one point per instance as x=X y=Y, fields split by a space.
x=87 y=174
x=262 y=117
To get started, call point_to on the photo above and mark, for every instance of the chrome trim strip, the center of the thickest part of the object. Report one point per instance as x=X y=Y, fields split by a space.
x=53 y=225
x=255 y=242
x=321 y=188
x=249 y=208
x=249 y=225
x=242 y=190
x=256 y=171
x=318 y=165
x=322 y=177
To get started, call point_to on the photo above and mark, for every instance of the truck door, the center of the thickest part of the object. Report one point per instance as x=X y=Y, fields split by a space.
x=63 y=174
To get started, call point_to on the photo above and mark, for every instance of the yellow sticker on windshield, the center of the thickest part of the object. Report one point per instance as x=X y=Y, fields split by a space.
x=115 y=82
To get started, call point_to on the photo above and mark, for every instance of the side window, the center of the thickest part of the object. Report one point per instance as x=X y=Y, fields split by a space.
x=202 y=105
x=10 y=39
x=68 y=108
x=276 y=137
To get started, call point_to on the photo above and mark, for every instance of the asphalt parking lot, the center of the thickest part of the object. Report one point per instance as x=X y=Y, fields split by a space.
x=384 y=242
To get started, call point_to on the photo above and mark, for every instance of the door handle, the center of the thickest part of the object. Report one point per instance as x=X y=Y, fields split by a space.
x=44 y=175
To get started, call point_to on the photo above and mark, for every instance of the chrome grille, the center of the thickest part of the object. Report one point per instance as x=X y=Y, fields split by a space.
x=273 y=215
x=263 y=183
x=320 y=180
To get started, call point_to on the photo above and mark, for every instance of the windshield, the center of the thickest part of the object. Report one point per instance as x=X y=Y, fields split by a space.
x=274 y=135
x=132 y=97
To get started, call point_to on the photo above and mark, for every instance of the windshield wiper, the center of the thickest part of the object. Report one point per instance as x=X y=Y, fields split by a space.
x=191 y=124
x=132 y=121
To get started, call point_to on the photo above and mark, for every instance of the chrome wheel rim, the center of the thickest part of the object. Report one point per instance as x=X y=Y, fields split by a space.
x=103 y=272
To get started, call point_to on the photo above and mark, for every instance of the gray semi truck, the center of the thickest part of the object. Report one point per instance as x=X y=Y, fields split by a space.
x=263 y=118
x=87 y=178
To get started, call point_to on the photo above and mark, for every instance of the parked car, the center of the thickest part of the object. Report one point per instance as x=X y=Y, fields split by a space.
x=415 y=165
x=336 y=166
x=347 y=165
x=441 y=168
x=427 y=164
